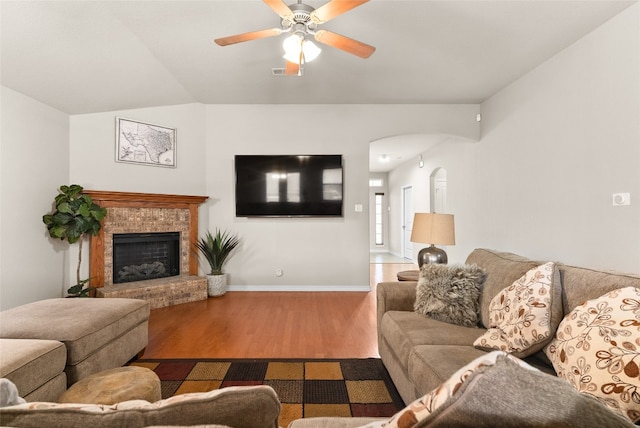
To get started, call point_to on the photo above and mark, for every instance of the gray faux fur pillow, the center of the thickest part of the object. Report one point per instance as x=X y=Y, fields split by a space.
x=450 y=293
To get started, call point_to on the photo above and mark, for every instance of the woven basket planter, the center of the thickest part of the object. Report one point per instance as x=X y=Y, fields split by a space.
x=216 y=285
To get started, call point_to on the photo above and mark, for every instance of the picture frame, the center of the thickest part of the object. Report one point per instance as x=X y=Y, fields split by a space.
x=145 y=143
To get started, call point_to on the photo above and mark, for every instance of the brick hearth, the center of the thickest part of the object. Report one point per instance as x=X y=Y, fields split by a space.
x=160 y=292
x=143 y=213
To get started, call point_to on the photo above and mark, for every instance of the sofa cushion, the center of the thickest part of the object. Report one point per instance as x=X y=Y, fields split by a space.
x=255 y=406
x=502 y=270
x=449 y=293
x=581 y=284
x=430 y=365
x=498 y=389
x=404 y=330
x=525 y=315
x=597 y=349
x=101 y=321
x=31 y=363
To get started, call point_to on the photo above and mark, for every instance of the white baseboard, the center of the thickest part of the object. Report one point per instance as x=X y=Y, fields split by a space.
x=358 y=288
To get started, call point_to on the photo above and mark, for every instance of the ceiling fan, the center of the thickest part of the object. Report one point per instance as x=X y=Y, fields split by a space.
x=301 y=21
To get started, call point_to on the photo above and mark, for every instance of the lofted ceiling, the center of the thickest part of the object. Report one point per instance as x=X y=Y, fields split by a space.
x=94 y=56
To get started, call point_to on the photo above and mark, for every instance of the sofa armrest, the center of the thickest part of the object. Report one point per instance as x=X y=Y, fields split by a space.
x=394 y=296
x=234 y=406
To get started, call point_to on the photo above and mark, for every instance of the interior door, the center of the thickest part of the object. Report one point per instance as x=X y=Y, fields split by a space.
x=440 y=197
x=407 y=222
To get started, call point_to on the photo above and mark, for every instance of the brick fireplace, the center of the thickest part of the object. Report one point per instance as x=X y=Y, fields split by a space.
x=147 y=214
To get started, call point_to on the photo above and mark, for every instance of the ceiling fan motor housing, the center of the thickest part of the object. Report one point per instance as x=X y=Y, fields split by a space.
x=302 y=22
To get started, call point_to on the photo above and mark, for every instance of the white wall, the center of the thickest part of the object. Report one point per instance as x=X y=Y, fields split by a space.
x=311 y=252
x=92 y=148
x=559 y=142
x=34 y=163
x=555 y=145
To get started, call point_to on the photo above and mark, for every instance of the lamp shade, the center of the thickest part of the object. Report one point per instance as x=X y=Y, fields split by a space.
x=433 y=228
x=294 y=44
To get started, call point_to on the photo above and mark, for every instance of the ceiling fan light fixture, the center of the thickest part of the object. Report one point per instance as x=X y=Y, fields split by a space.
x=310 y=50
x=292 y=46
x=292 y=43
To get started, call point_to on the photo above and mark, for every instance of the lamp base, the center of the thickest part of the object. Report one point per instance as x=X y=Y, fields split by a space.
x=432 y=255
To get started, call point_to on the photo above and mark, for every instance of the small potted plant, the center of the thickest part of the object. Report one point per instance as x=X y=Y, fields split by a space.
x=75 y=216
x=216 y=249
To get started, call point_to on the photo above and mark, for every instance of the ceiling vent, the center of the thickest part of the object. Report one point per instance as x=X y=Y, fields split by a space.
x=282 y=72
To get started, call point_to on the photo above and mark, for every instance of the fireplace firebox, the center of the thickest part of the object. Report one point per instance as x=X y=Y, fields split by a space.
x=143 y=256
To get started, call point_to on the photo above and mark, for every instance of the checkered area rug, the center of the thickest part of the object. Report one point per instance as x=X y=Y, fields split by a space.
x=306 y=388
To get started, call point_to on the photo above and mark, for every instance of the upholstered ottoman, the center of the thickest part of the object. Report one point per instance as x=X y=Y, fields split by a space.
x=36 y=367
x=115 y=385
x=99 y=334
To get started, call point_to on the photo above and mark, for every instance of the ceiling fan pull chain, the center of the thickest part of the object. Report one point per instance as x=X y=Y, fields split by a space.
x=301 y=59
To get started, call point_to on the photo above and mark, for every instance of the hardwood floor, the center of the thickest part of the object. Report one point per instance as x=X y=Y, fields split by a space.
x=272 y=324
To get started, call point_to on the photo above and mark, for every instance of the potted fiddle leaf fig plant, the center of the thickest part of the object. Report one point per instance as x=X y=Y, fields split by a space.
x=74 y=217
x=216 y=249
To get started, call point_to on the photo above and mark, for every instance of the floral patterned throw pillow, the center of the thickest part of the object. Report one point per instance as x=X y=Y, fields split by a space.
x=597 y=349
x=524 y=315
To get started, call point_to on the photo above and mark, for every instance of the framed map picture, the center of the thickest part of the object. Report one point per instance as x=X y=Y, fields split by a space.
x=145 y=143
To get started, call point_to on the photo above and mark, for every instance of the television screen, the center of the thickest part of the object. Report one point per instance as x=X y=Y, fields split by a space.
x=288 y=185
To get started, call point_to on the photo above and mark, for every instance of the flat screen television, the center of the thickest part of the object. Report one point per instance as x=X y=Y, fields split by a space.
x=288 y=185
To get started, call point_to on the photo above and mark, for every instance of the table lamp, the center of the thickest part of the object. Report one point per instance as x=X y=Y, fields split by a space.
x=432 y=228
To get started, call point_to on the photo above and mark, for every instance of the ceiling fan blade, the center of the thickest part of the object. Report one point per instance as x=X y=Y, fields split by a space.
x=344 y=43
x=280 y=8
x=291 y=69
x=245 y=37
x=334 y=8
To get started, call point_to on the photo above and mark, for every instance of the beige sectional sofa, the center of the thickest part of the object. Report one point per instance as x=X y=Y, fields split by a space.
x=237 y=407
x=51 y=344
x=37 y=366
x=421 y=353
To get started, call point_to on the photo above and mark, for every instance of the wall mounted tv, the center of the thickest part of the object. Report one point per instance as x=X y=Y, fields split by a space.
x=288 y=185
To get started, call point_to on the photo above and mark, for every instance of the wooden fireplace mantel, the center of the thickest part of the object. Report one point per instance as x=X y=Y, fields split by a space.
x=107 y=199
x=152 y=200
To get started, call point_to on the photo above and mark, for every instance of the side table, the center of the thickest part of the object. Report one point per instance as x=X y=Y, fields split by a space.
x=408 y=275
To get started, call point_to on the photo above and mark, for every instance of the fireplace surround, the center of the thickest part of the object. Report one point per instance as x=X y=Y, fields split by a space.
x=147 y=213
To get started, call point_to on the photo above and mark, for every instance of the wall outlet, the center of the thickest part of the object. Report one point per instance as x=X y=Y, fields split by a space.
x=279 y=272
x=620 y=199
